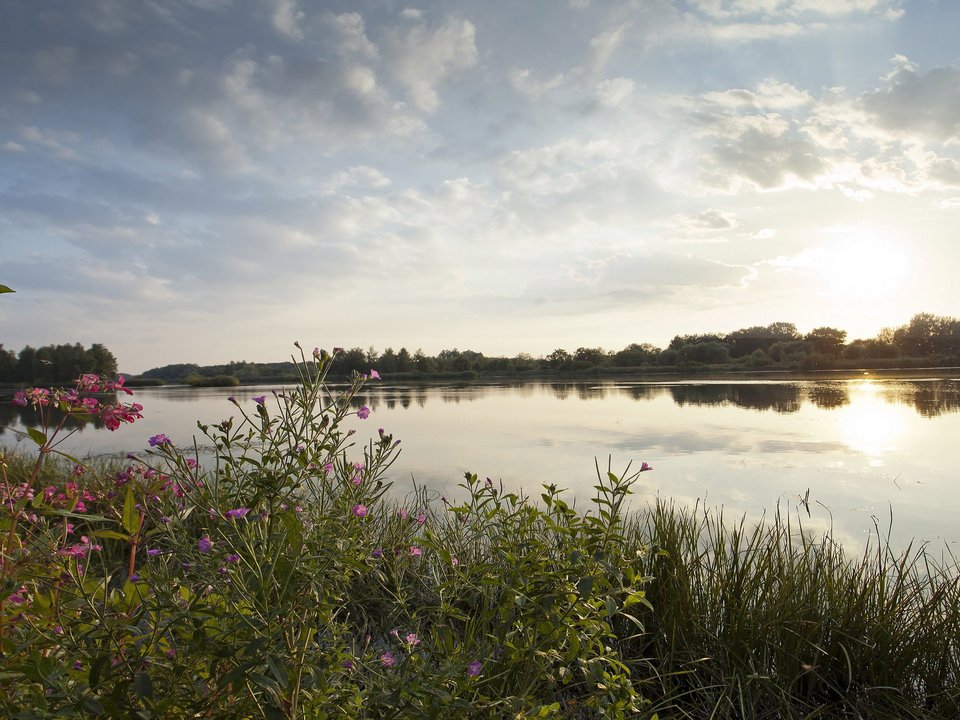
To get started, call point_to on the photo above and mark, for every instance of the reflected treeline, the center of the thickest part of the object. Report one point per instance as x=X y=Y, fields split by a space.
x=28 y=416
x=929 y=399
x=781 y=398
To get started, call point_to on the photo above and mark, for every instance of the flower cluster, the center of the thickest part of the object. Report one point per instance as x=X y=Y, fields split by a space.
x=77 y=401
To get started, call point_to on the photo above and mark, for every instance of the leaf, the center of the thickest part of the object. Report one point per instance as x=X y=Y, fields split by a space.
x=585 y=585
x=5 y=289
x=38 y=437
x=143 y=685
x=109 y=534
x=131 y=518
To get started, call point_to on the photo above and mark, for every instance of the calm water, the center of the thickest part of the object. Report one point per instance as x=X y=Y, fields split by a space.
x=864 y=448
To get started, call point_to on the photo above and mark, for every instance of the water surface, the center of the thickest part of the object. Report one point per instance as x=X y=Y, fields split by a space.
x=863 y=448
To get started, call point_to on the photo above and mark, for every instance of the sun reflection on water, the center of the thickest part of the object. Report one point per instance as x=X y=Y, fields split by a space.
x=869 y=424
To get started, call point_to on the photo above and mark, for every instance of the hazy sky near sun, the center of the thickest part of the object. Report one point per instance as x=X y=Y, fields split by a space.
x=210 y=180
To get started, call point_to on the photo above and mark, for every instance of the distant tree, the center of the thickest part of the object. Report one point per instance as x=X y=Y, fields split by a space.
x=560 y=359
x=354 y=360
x=590 y=356
x=826 y=340
x=102 y=360
x=422 y=362
x=404 y=361
x=668 y=357
x=744 y=341
x=28 y=365
x=387 y=362
x=927 y=334
x=709 y=353
x=524 y=362
x=8 y=365
x=636 y=354
x=680 y=340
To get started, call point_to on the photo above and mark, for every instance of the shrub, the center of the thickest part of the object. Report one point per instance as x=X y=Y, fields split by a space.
x=272 y=577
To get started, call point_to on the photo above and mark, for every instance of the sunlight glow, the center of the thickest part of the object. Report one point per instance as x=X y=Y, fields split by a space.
x=862 y=265
x=870 y=425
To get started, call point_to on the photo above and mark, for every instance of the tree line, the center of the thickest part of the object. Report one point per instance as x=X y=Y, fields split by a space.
x=55 y=364
x=926 y=340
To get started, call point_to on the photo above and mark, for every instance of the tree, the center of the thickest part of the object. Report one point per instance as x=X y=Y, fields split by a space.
x=103 y=361
x=826 y=340
x=590 y=356
x=633 y=355
x=388 y=361
x=422 y=362
x=744 y=341
x=709 y=353
x=680 y=340
x=560 y=359
x=8 y=365
x=404 y=361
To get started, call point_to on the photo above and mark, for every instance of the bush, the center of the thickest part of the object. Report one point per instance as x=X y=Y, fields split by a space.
x=273 y=578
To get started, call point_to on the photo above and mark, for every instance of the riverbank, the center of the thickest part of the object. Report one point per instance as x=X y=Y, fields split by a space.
x=283 y=580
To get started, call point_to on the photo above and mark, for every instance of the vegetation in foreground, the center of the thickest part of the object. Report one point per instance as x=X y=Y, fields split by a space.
x=275 y=578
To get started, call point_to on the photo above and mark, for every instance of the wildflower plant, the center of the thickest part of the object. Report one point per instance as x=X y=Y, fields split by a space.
x=264 y=571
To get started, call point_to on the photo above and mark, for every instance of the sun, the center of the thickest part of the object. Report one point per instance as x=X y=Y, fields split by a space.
x=859 y=264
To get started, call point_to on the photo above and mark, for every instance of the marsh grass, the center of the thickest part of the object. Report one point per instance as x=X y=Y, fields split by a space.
x=765 y=621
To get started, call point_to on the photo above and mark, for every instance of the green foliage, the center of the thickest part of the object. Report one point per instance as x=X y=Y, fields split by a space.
x=272 y=578
x=763 y=621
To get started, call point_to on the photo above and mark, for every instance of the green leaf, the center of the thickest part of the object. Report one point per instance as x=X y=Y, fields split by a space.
x=143 y=685
x=110 y=534
x=5 y=289
x=131 y=518
x=38 y=437
x=585 y=585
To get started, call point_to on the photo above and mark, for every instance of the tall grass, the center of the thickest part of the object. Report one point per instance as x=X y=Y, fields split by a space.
x=764 y=621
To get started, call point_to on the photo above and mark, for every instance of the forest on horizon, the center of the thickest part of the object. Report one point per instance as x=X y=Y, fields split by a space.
x=926 y=340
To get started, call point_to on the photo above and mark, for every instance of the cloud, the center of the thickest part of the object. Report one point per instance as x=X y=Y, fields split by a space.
x=420 y=57
x=916 y=106
x=287 y=18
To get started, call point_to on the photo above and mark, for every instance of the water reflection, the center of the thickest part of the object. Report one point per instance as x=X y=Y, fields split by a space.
x=929 y=398
x=860 y=446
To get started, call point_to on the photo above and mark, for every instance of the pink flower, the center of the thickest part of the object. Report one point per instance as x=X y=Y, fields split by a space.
x=402 y=514
x=412 y=639
x=260 y=399
x=19 y=398
x=327 y=468
x=415 y=551
x=205 y=544
x=474 y=668
x=387 y=659
x=374 y=375
x=360 y=511
x=160 y=439
x=421 y=518
x=236 y=513
x=363 y=413
x=644 y=467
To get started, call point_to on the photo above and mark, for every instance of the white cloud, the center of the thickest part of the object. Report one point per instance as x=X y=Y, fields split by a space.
x=362 y=176
x=611 y=93
x=287 y=18
x=351 y=37
x=916 y=106
x=420 y=58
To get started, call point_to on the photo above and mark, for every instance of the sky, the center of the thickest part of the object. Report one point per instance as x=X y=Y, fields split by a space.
x=212 y=180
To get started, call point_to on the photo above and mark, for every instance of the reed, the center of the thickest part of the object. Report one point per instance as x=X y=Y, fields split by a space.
x=765 y=621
